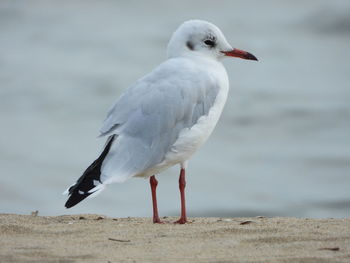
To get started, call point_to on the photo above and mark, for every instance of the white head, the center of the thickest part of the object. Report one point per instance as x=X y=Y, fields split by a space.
x=199 y=37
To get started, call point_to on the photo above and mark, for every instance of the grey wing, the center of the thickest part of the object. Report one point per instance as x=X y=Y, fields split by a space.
x=128 y=102
x=148 y=119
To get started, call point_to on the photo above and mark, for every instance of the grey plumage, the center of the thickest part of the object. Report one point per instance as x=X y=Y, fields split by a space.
x=161 y=107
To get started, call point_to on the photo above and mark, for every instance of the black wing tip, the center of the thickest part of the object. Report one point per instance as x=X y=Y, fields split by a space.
x=80 y=190
x=70 y=203
x=74 y=199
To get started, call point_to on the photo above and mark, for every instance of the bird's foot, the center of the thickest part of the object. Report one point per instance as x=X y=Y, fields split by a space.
x=182 y=220
x=157 y=221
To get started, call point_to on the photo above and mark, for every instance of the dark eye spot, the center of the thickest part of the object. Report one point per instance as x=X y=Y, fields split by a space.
x=209 y=42
x=189 y=45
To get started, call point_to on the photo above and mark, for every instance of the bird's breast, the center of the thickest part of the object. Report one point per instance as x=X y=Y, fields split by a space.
x=192 y=138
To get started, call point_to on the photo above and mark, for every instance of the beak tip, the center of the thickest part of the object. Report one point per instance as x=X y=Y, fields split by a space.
x=250 y=56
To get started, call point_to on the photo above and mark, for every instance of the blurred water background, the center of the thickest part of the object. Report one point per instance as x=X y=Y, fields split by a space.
x=281 y=148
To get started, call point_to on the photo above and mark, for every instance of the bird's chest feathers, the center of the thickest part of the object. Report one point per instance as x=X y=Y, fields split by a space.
x=192 y=138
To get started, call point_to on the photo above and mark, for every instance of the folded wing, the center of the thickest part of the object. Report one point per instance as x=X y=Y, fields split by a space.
x=149 y=116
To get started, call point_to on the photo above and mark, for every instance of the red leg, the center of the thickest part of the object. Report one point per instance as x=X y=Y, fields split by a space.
x=182 y=185
x=153 y=181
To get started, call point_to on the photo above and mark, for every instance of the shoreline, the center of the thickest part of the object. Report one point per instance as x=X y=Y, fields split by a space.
x=96 y=238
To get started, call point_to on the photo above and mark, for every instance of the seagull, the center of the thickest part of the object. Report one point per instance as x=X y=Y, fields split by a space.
x=165 y=117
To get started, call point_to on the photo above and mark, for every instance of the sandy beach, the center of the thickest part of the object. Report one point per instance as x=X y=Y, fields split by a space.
x=96 y=238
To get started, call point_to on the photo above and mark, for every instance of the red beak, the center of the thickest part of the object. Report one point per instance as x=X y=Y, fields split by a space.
x=237 y=53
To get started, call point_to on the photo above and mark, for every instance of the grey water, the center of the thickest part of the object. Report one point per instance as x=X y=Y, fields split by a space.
x=282 y=145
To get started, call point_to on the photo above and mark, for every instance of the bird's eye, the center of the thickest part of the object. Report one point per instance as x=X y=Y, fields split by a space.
x=209 y=42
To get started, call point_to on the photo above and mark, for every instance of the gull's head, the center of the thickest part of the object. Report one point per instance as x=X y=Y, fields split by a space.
x=198 y=37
